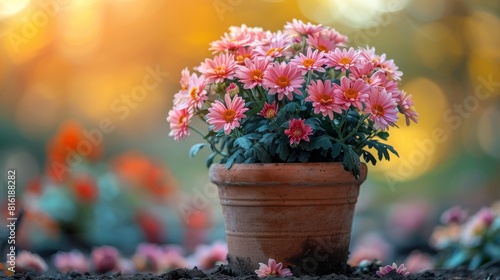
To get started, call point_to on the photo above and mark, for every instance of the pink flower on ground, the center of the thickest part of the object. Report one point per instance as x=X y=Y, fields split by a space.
x=252 y=74
x=344 y=59
x=209 y=256
x=297 y=131
x=220 y=68
x=269 y=111
x=283 y=79
x=71 y=261
x=382 y=109
x=311 y=61
x=179 y=120
x=105 y=259
x=227 y=116
x=323 y=98
x=27 y=261
x=454 y=215
x=352 y=92
x=401 y=270
x=407 y=108
x=173 y=258
x=272 y=269
x=419 y=262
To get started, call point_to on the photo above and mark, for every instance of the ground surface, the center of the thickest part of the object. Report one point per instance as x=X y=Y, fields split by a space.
x=222 y=273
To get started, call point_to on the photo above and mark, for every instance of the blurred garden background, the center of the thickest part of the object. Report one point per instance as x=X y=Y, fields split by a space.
x=103 y=73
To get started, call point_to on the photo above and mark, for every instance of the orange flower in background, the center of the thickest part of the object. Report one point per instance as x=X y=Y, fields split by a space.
x=141 y=172
x=72 y=145
x=85 y=189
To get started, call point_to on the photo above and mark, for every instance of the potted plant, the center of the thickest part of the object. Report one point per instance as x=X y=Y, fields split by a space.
x=291 y=115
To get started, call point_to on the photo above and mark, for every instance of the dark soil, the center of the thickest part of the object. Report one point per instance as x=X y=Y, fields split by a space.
x=224 y=273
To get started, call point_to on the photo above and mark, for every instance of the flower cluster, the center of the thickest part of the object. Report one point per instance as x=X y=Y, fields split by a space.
x=296 y=95
x=468 y=241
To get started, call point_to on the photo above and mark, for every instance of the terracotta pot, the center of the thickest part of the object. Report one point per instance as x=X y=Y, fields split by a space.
x=296 y=213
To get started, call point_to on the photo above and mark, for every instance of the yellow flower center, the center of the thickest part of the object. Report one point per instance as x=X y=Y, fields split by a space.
x=273 y=50
x=325 y=99
x=256 y=75
x=308 y=62
x=378 y=110
x=182 y=119
x=283 y=81
x=322 y=48
x=270 y=113
x=240 y=59
x=351 y=93
x=221 y=70
x=345 y=60
x=229 y=115
x=297 y=132
x=194 y=92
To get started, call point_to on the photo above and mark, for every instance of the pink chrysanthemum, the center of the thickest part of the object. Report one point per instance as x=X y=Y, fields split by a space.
x=391 y=70
x=252 y=74
x=185 y=76
x=407 y=108
x=344 y=59
x=283 y=79
x=232 y=89
x=220 y=68
x=272 y=269
x=269 y=111
x=196 y=92
x=71 y=261
x=179 y=120
x=365 y=71
x=382 y=109
x=321 y=43
x=27 y=261
x=323 y=98
x=242 y=54
x=227 y=116
x=278 y=47
x=298 y=28
x=231 y=43
x=334 y=36
x=297 y=131
x=401 y=270
x=351 y=92
x=312 y=61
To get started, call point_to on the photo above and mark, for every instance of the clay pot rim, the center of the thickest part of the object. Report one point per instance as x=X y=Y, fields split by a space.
x=291 y=173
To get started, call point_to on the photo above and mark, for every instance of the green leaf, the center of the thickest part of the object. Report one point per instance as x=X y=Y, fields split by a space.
x=368 y=157
x=351 y=161
x=283 y=150
x=383 y=135
x=336 y=149
x=324 y=142
x=262 y=154
x=232 y=158
x=243 y=142
x=210 y=159
x=196 y=148
x=267 y=139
